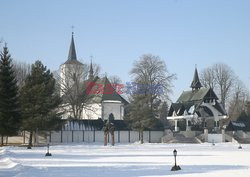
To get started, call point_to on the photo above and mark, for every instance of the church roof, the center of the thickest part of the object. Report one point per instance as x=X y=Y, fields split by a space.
x=99 y=97
x=72 y=58
x=115 y=96
x=193 y=95
x=196 y=98
x=196 y=84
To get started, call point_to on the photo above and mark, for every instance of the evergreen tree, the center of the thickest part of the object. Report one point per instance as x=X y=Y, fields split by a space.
x=39 y=101
x=9 y=102
x=164 y=114
x=141 y=115
x=243 y=117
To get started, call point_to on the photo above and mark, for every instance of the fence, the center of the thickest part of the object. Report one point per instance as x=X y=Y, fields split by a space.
x=77 y=136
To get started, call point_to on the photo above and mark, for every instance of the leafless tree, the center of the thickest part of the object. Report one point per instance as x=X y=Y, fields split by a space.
x=238 y=101
x=225 y=78
x=152 y=86
x=208 y=78
x=72 y=83
x=115 y=80
x=21 y=70
x=221 y=78
x=152 y=71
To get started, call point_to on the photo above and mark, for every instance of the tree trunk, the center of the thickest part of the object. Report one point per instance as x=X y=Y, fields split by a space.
x=105 y=138
x=113 y=138
x=141 y=136
x=2 y=140
x=6 y=140
x=30 y=140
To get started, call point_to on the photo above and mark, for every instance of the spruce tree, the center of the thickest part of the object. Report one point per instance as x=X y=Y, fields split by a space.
x=163 y=115
x=9 y=102
x=40 y=101
x=141 y=115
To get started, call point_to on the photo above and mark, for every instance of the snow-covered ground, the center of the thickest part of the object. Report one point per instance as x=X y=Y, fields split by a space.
x=127 y=160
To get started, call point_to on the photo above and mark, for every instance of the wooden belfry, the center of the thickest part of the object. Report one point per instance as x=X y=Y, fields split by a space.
x=109 y=128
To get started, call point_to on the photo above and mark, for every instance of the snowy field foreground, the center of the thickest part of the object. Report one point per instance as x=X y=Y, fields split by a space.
x=149 y=160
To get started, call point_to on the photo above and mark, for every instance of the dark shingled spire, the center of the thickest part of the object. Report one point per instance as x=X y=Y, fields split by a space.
x=91 y=71
x=72 y=59
x=72 y=50
x=196 y=84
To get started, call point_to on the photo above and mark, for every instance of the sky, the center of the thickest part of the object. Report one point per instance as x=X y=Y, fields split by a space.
x=183 y=33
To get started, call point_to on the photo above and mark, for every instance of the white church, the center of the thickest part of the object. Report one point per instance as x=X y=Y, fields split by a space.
x=103 y=105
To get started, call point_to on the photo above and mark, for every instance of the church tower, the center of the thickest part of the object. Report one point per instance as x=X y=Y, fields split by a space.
x=91 y=71
x=196 y=84
x=71 y=70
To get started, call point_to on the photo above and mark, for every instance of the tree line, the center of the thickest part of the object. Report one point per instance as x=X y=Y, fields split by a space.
x=28 y=98
x=34 y=98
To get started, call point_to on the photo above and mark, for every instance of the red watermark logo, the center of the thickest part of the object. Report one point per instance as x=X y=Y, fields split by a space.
x=131 y=88
x=94 y=88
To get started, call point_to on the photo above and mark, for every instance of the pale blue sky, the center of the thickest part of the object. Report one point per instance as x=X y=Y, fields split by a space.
x=182 y=32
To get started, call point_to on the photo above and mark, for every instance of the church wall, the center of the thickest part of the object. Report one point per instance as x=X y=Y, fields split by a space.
x=113 y=107
x=93 y=112
x=67 y=73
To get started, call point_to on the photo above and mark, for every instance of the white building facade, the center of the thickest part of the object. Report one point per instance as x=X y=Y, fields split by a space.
x=102 y=105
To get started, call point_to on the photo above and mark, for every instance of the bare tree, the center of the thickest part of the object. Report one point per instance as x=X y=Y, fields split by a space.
x=225 y=79
x=238 y=101
x=221 y=78
x=72 y=83
x=22 y=70
x=152 y=71
x=150 y=74
x=115 y=80
x=208 y=78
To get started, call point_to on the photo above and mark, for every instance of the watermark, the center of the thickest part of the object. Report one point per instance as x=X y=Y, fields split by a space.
x=129 y=88
x=95 y=88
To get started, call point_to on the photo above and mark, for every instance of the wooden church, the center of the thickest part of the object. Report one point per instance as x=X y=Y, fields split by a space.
x=197 y=105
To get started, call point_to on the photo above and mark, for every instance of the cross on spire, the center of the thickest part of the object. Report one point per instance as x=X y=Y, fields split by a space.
x=196 y=84
x=72 y=50
x=72 y=27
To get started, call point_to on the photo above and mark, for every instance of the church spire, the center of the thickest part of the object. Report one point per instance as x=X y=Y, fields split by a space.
x=72 y=50
x=91 y=71
x=196 y=84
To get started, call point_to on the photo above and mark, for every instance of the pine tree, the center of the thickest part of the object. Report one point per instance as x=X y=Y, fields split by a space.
x=141 y=114
x=164 y=114
x=10 y=117
x=39 y=101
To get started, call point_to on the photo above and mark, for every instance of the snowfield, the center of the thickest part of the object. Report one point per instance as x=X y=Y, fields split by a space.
x=127 y=160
